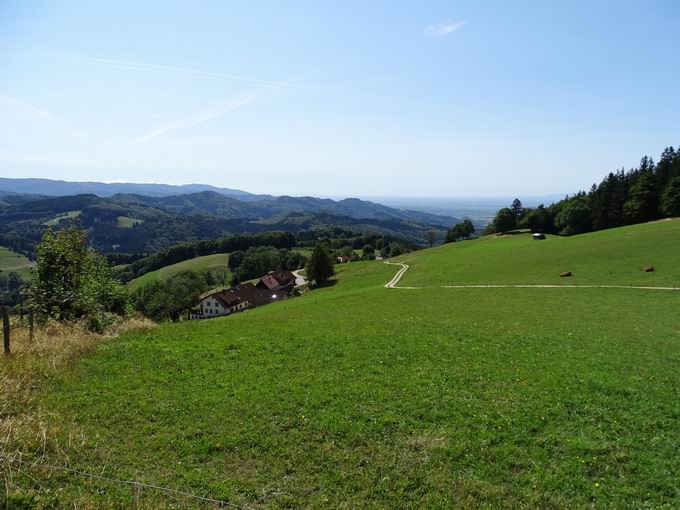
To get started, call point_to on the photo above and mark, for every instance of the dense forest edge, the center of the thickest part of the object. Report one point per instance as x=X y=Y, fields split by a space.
x=646 y=193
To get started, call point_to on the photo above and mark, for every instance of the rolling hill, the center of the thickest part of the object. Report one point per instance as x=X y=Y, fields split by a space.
x=135 y=223
x=214 y=262
x=617 y=256
x=355 y=395
x=11 y=262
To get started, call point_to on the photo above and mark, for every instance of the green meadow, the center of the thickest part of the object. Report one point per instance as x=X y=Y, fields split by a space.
x=201 y=264
x=14 y=262
x=70 y=215
x=609 y=257
x=356 y=396
x=198 y=264
x=127 y=222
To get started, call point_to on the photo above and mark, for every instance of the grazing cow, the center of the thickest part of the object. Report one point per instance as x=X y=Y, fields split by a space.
x=566 y=273
x=649 y=269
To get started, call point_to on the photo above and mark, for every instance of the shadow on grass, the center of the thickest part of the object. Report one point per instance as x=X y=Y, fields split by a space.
x=513 y=232
x=326 y=284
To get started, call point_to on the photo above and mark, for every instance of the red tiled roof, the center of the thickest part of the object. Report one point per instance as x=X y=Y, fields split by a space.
x=284 y=277
x=270 y=281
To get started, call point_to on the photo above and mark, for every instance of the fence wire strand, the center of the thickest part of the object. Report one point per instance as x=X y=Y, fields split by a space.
x=133 y=483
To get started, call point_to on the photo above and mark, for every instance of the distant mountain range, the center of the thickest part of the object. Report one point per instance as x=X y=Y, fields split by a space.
x=55 y=188
x=128 y=222
x=223 y=202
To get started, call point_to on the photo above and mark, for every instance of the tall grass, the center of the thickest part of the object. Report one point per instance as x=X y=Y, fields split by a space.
x=55 y=346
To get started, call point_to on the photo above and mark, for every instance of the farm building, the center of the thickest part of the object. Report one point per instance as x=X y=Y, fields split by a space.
x=538 y=236
x=277 y=280
x=224 y=302
x=235 y=299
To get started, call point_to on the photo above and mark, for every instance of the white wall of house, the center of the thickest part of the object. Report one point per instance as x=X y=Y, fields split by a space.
x=211 y=307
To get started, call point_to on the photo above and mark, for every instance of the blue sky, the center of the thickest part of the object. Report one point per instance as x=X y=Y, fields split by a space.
x=338 y=98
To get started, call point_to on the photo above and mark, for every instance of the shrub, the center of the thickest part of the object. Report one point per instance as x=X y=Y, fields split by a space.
x=70 y=282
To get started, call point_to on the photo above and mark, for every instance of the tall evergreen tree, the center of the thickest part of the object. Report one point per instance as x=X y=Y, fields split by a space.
x=642 y=203
x=670 y=201
x=518 y=210
x=320 y=266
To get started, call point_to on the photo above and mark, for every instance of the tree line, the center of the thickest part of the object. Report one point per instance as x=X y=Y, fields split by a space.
x=225 y=244
x=649 y=192
x=337 y=238
x=257 y=261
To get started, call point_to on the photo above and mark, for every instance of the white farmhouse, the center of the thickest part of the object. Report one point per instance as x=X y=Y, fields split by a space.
x=223 y=303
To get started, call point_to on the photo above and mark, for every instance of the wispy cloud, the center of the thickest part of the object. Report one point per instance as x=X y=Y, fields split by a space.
x=443 y=28
x=235 y=79
x=60 y=123
x=212 y=112
x=29 y=108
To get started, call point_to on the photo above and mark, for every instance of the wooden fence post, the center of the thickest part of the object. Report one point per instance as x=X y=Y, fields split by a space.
x=5 y=328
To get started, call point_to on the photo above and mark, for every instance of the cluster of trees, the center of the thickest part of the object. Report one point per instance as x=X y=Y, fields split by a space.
x=460 y=232
x=343 y=240
x=18 y=244
x=163 y=300
x=226 y=244
x=340 y=238
x=649 y=192
x=394 y=250
x=10 y=288
x=368 y=252
x=72 y=282
x=258 y=261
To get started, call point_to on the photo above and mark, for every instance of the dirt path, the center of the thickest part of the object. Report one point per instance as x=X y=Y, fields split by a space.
x=392 y=284
x=299 y=279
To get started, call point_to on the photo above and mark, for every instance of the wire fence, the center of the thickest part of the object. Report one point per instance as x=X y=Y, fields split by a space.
x=134 y=483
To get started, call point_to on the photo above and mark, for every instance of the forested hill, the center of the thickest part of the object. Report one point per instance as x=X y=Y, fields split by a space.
x=649 y=192
x=208 y=202
x=135 y=223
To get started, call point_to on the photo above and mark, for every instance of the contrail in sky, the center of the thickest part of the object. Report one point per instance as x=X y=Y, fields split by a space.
x=235 y=79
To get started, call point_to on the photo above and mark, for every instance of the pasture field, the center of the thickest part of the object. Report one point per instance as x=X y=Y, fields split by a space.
x=357 y=396
x=610 y=257
x=198 y=264
x=11 y=261
x=64 y=216
x=127 y=222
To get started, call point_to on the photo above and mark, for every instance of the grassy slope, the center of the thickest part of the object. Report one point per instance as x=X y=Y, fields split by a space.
x=127 y=222
x=617 y=256
x=205 y=263
x=357 y=396
x=199 y=264
x=65 y=216
x=14 y=262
